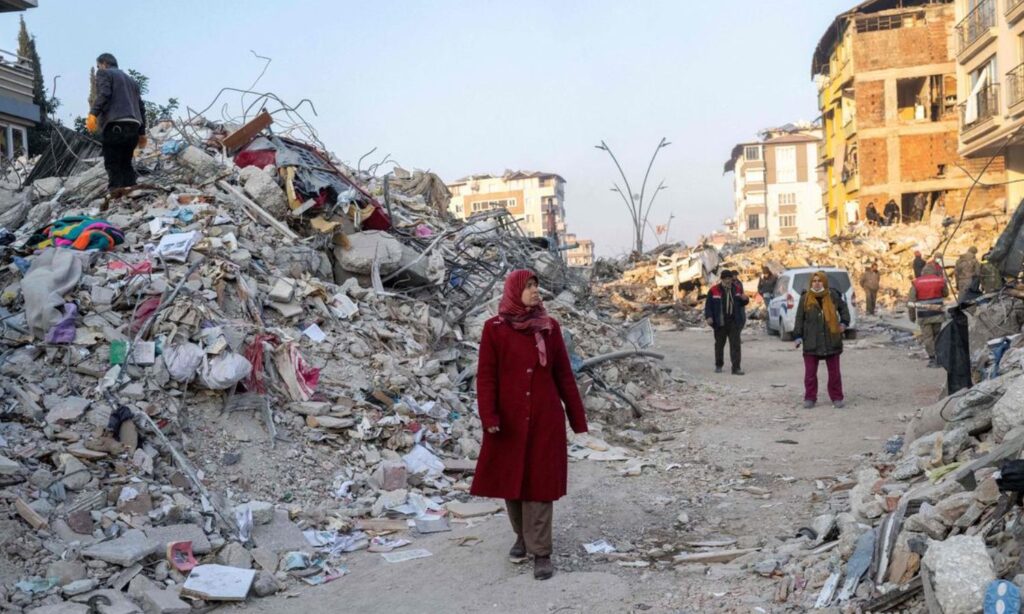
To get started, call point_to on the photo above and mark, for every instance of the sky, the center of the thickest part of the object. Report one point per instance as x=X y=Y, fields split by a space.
x=463 y=87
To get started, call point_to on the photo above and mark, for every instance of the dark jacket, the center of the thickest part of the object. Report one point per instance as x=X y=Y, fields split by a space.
x=766 y=285
x=810 y=326
x=918 y=266
x=871 y=280
x=714 y=305
x=118 y=99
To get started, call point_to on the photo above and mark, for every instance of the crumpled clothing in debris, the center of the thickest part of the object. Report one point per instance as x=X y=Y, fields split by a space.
x=78 y=232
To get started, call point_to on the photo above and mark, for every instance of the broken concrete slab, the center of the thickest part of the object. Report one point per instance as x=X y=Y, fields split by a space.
x=473 y=509
x=118 y=602
x=8 y=466
x=262 y=511
x=261 y=186
x=219 y=583
x=160 y=537
x=64 y=409
x=365 y=247
x=130 y=548
x=62 y=608
x=280 y=535
x=162 y=601
x=718 y=556
x=235 y=555
x=960 y=569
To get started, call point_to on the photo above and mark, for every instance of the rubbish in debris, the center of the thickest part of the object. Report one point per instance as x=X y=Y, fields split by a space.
x=78 y=232
x=180 y=556
x=421 y=460
x=383 y=544
x=600 y=546
x=218 y=583
x=406 y=555
x=176 y=247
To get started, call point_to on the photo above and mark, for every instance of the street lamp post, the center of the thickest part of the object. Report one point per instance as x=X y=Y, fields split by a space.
x=638 y=210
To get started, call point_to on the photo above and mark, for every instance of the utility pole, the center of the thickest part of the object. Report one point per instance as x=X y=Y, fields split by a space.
x=638 y=210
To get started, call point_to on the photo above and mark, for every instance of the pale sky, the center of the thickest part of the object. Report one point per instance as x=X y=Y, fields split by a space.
x=477 y=86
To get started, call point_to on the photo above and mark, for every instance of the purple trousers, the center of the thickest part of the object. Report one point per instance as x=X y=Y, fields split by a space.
x=835 y=378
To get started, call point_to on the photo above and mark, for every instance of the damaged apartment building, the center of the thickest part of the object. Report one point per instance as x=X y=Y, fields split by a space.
x=777 y=186
x=886 y=72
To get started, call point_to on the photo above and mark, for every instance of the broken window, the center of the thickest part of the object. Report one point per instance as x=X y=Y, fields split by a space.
x=879 y=23
x=923 y=98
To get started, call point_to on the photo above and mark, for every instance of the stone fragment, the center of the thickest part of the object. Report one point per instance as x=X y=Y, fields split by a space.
x=929 y=523
x=1008 y=412
x=863 y=502
x=909 y=467
x=64 y=409
x=202 y=164
x=66 y=572
x=162 y=601
x=987 y=492
x=366 y=246
x=265 y=584
x=8 y=467
x=281 y=535
x=264 y=191
x=80 y=521
x=960 y=571
x=953 y=507
x=265 y=558
x=161 y=536
x=234 y=554
x=262 y=512
x=119 y=602
x=61 y=608
x=952 y=442
x=390 y=475
x=78 y=587
x=388 y=500
x=132 y=547
x=76 y=474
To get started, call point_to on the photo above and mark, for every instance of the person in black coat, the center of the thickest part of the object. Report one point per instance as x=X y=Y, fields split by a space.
x=724 y=310
x=119 y=115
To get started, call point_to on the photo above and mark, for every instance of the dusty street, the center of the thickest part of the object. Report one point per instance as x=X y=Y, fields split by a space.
x=739 y=459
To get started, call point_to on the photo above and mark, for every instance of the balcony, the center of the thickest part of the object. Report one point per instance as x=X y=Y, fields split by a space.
x=1014 y=11
x=987 y=101
x=976 y=30
x=850 y=128
x=1015 y=87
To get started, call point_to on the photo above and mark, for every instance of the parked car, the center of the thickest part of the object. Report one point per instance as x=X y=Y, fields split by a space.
x=791 y=284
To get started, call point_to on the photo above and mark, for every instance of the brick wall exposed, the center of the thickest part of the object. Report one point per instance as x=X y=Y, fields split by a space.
x=921 y=154
x=870 y=96
x=874 y=162
x=925 y=43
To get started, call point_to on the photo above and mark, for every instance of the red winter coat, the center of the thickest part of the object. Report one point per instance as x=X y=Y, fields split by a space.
x=527 y=458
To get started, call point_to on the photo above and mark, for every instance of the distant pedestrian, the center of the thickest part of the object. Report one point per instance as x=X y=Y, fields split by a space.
x=119 y=115
x=766 y=284
x=523 y=380
x=871 y=282
x=821 y=320
x=920 y=205
x=871 y=213
x=891 y=212
x=967 y=270
x=927 y=294
x=724 y=310
x=918 y=264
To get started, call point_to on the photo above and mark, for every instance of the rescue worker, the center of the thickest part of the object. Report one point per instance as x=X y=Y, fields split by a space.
x=119 y=115
x=725 y=314
x=870 y=282
x=918 y=264
x=926 y=297
x=967 y=270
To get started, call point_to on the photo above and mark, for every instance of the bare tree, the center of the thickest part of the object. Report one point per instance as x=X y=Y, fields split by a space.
x=638 y=209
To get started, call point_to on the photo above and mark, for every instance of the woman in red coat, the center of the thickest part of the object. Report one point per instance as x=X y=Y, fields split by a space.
x=523 y=378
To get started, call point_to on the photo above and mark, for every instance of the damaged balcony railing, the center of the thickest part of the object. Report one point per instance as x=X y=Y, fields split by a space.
x=1015 y=84
x=986 y=106
x=977 y=22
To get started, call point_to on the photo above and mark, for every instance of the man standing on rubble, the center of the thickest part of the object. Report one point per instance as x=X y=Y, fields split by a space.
x=119 y=115
x=967 y=270
x=918 y=264
x=870 y=282
x=926 y=297
x=724 y=310
x=523 y=381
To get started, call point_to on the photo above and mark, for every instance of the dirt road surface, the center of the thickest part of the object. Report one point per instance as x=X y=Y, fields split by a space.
x=737 y=456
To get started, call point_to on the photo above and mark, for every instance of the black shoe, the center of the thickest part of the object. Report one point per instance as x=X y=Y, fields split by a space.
x=738 y=372
x=543 y=568
x=932 y=364
x=517 y=554
x=718 y=369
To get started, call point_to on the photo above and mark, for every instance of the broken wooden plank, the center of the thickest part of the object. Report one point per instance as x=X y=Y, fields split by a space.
x=381 y=524
x=718 y=556
x=29 y=515
x=241 y=137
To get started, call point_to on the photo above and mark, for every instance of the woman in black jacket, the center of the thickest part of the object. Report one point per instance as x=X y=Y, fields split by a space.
x=821 y=320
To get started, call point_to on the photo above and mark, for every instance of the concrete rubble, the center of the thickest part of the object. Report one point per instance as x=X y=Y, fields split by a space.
x=240 y=380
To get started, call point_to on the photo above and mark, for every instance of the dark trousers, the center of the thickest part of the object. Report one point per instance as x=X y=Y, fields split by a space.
x=835 y=378
x=119 y=142
x=531 y=520
x=730 y=333
x=870 y=296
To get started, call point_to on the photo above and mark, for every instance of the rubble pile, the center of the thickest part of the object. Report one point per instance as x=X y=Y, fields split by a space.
x=219 y=382
x=668 y=283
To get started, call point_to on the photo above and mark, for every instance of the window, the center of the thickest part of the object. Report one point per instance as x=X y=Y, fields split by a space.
x=487 y=205
x=755 y=198
x=753 y=222
x=788 y=198
x=752 y=152
x=787 y=221
x=785 y=164
x=755 y=176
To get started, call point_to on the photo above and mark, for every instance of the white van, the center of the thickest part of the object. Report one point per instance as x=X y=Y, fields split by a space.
x=786 y=297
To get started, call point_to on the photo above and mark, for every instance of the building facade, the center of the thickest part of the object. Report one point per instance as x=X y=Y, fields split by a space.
x=990 y=71
x=582 y=255
x=887 y=90
x=18 y=112
x=777 y=188
x=537 y=200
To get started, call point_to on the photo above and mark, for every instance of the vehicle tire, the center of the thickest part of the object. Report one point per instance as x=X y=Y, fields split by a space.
x=783 y=335
x=850 y=334
x=768 y=328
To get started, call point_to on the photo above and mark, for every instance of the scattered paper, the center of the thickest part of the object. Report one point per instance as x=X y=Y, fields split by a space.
x=177 y=246
x=406 y=555
x=600 y=546
x=315 y=333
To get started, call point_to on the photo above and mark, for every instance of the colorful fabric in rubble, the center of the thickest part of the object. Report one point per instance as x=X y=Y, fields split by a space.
x=78 y=232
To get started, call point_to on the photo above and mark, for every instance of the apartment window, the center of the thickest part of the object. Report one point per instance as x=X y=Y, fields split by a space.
x=752 y=152
x=785 y=164
x=754 y=176
x=756 y=198
x=787 y=221
x=788 y=198
x=983 y=98
x=753 y=222
x=487 y=205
